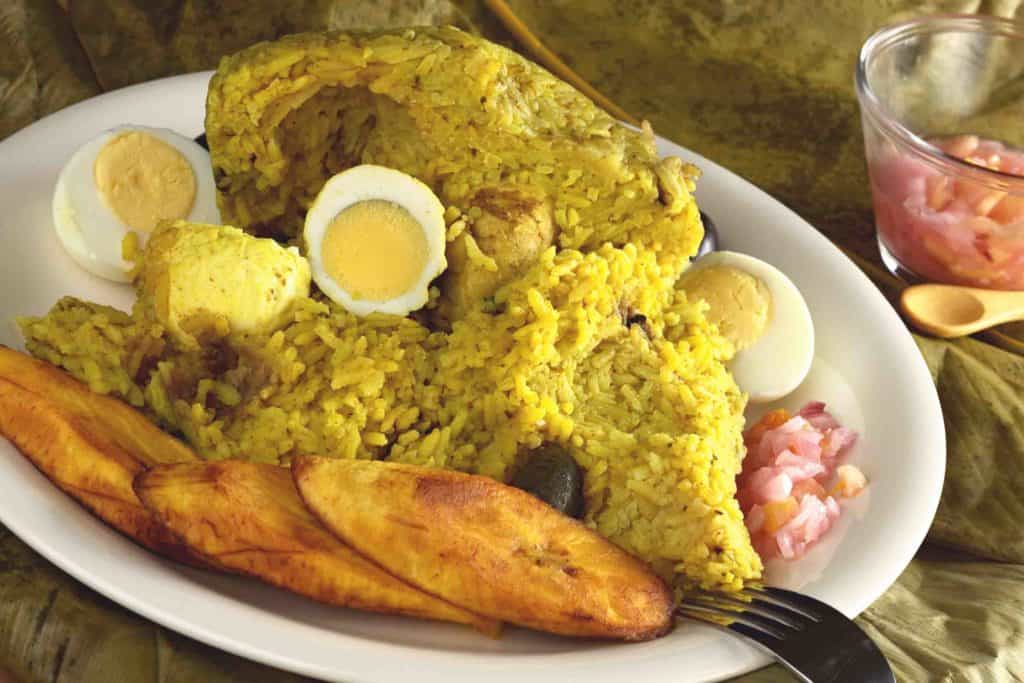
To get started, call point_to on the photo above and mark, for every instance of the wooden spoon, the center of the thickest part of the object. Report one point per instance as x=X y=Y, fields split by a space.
x=949 y=311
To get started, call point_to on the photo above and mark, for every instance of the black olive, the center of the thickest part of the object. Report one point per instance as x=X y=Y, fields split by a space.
x=636 y=319
x=630 y=317
x=551 y=474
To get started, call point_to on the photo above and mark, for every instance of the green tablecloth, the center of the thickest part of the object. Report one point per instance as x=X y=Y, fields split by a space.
x=763 y=87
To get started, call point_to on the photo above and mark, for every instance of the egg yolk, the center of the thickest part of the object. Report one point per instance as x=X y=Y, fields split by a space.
x=739 y=303
x=144 y=180
x=375 y=250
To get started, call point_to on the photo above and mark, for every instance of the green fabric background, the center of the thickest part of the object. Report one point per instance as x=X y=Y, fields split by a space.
x=763 y=87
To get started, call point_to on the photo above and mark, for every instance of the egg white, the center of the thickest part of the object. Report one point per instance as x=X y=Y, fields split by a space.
x=90 y=231
x=368 y=182
x=777 y=363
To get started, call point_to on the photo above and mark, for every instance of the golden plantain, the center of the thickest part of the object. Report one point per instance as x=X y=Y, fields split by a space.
x=487 y=547
x=248 y=518
x=122 y=424
x=77 y=455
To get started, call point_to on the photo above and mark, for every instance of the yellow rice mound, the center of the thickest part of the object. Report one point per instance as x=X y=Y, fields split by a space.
x=456 y=111
x=592 y=348
x=648 y=410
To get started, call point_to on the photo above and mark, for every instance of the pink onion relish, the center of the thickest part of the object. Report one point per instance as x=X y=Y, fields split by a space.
x=948 y=229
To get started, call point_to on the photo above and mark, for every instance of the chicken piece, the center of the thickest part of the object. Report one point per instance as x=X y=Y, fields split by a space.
x=90 y=446
x=205 y=281
x=515 y=227
x=486 y=546
x=249 y=518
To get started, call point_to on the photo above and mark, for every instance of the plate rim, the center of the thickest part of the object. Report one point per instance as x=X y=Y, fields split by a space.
x=936 y=443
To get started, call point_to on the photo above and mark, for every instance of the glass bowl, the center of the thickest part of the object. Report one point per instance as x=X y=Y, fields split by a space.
x=942 y=106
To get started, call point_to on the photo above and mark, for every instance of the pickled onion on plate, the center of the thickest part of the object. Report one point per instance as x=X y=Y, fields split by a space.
x=792 y=479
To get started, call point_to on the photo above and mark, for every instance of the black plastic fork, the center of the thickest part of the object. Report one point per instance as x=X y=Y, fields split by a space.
x=815 y=641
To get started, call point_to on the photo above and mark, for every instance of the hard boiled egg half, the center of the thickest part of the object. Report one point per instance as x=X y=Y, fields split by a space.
x=760 y=310
x=375 y=239
x=128 y=180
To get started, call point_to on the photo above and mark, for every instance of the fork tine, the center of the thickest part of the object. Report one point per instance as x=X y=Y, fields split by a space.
x=783 y=617
x=707 y=617
x=728 y=619
x=786 y=599
x=757 y=636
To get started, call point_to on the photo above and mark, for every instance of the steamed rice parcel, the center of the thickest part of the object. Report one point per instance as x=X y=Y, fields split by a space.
x=557 y=321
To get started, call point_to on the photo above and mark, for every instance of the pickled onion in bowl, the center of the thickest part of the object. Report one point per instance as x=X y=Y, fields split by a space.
x=952 y=229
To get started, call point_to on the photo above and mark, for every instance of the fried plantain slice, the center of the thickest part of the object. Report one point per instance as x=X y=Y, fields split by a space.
x=248 y=517
x=119 y=422
x=76 y=455
x=486 y=546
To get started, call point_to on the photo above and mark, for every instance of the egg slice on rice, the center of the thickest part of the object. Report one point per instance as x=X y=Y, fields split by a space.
x=375 y=238
x=127 y=180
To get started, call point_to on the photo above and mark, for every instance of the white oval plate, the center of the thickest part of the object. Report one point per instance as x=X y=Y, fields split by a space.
x=868 y=369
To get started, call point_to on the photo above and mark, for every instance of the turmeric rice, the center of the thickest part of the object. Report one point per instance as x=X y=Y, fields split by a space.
x=592 y=347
